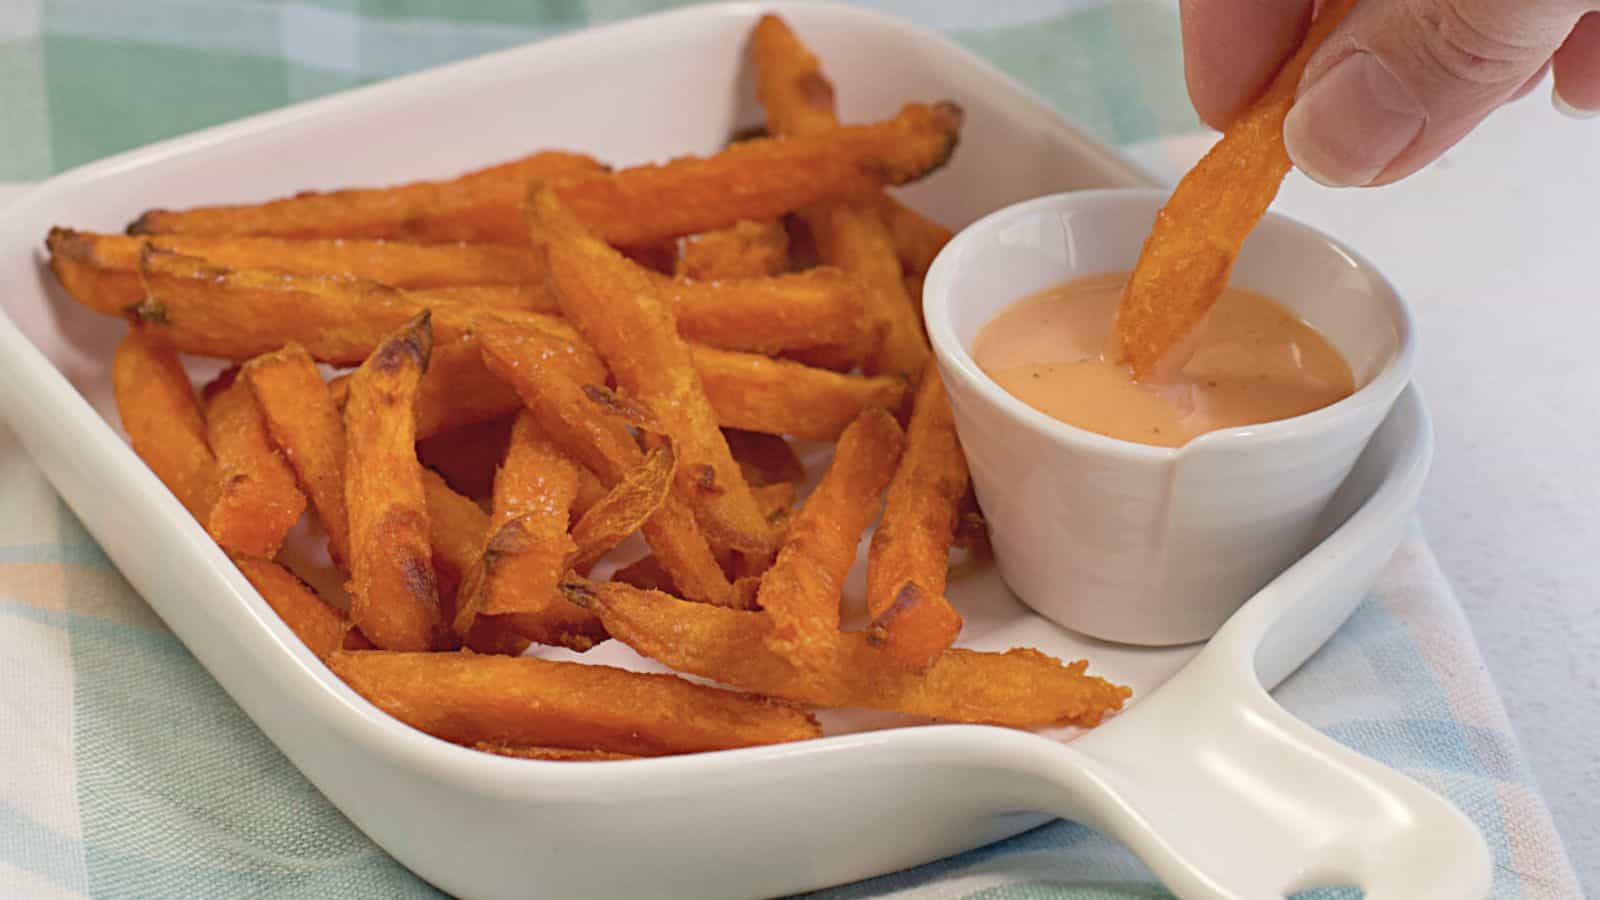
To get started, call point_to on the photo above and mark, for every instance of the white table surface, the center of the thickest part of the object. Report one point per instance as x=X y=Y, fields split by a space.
x=1496 y=247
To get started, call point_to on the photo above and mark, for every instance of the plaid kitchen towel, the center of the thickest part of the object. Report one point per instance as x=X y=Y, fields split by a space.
x=125 y=771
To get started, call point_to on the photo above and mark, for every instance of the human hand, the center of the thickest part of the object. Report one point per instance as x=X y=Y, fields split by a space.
x=1399 y=82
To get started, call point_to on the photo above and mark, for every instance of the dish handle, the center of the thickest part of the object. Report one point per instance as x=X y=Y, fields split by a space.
x=1224 y=794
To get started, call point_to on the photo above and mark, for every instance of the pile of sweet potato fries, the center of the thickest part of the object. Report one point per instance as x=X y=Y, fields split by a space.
x=546 y=357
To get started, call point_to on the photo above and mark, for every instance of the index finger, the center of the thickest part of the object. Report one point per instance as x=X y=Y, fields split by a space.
x=1232 y=48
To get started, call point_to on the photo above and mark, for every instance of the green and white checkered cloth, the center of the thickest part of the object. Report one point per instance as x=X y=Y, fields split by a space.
x=125 y=771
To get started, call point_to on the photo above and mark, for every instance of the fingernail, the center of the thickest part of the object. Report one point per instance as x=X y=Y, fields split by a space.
x=1351 y=123
x=1567 y=109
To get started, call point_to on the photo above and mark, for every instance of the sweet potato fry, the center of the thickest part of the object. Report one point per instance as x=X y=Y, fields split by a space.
x=471 y=699
x=550 y=754
x=917 y=238
x=624 y=509
x=776 y=499
x=745 y=249
x=101 y=270
x=819 y=307
x=236 y=314
x=322 y=628
x=258 y=500
x=762 y=178
x=394 y=598
x=646 y=573
x=613 y=304
x=304 y=423
x=798 y=100
x=467 y=456
x=456 y=530
x=909 y=558
x=528 y=548
x=1022 y=688
x=477 y=206
x=849 y=236
x=772 y=396
x=794 y=311
x=163 y=421
x=800 y=593
x=628 y=208
x=765 y=459
x=602 y=444
x=1185 y=263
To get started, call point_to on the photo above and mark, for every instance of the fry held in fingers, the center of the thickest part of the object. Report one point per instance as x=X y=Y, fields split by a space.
x=1189 y=255
x=394 y=598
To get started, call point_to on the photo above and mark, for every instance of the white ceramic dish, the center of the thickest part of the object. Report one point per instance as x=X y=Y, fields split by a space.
x=1220 y=791
x=1140 y=544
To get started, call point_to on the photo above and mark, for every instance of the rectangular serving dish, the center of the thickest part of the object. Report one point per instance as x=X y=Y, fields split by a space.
x=760 y=821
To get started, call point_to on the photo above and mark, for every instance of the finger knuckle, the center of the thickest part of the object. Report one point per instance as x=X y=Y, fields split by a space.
x=1453 y=37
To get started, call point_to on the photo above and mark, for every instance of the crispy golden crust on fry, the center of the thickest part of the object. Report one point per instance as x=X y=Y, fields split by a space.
x=101 y=270
x=1021 y=688
x=762 y=178
x=472 y=699
x=258 y=500
x=163 y=421
x=614 y=305
x=759 y=179
x=394 y=597
x=625 y=508
x=847 y=233
x=745 y=249
x=477 y=206
x=917 y=238
x=796 y=95
x=909 y=558
x=322 y=628
x=1185 y=263
x=304 y=423
x=800 y=593
x=195 y=307
x=793 y=311
x=550 y=754
x=528 y=549
x=775 y=396
x=602 y=444
x=456 y=530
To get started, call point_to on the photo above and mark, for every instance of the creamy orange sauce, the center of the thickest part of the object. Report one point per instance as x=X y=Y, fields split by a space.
x=1252 y=362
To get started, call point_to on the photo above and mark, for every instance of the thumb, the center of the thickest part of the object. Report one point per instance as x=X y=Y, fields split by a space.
x=1401 y=81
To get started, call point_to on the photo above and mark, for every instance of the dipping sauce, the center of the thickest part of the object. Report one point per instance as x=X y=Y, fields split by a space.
x=1252 y=362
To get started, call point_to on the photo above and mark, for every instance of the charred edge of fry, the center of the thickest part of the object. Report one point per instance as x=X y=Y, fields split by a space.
x=577 y=590
x=414 y=343
x=947 y=117
x=748 y=133
x=613 y=403
x=705 y=480
x=907 y=598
